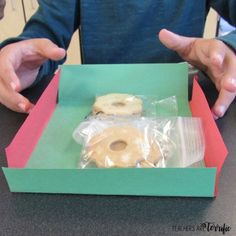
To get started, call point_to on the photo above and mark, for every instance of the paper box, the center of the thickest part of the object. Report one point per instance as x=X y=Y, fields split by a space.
x=43 y=156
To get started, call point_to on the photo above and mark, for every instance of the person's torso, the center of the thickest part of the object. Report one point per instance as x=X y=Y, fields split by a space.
x=126 y=31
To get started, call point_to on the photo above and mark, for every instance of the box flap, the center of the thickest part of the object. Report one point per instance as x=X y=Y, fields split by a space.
x=22 y=146
x=193 y=182
x=216 y=150
x=79 y=85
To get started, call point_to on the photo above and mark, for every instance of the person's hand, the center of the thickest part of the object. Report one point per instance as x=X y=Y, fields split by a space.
x=213 y=57
x=19 y=66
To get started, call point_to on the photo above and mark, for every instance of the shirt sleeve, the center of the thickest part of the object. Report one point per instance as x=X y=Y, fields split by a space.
x=54 y=20
x=227 y=9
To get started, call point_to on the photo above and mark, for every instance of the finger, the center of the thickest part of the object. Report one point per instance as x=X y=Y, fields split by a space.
x=229 y=83
x=216 y=51
x=19 y=104
x=47 y=49
x=10 y=60
x=222 y=103
x=216 y=57
x=178 y=43
x=32 y=53
x=212 y=54
x=9 y=77
x=7 y=72
x=14 y=100
x=229 y=76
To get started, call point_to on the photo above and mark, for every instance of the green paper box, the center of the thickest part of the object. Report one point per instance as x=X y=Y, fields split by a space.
x=43 y=156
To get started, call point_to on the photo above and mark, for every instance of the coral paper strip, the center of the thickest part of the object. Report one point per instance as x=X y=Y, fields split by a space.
x=216 y=150
x=22 y=146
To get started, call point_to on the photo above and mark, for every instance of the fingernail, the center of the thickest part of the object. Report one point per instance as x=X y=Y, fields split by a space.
x=221 y=110
x=22 y=106
x=13 y=85
x=214 y=116
x=29 y=110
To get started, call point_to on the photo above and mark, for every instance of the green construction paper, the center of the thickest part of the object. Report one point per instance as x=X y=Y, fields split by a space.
x=56 y=148
x=79 y=86
x=197 y=182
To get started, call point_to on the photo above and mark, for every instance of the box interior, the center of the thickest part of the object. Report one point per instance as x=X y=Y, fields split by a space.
x=77 y=91
x=47 y=162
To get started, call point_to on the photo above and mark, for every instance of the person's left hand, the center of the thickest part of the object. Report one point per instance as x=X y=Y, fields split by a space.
x=213 y=57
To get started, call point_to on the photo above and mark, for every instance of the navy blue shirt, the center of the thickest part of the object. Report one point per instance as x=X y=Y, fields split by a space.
x=124 y=31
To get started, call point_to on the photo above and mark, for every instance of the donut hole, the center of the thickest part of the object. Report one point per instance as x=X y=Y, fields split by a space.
x=118 y=145
x=118 y=104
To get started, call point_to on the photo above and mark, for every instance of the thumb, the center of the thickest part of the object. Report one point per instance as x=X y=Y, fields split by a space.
x=180 y=44
x=47 y=49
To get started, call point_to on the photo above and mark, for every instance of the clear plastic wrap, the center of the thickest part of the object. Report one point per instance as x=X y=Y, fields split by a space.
x=181 y=139
x=121 y=104
x=118 y=142
x=165 y=107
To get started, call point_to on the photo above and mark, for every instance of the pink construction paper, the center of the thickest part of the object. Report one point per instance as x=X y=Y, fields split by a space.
x=24 y=142
x=216 y=151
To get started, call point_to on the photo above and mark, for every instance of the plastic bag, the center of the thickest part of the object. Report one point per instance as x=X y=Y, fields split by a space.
x=121 y=104
x=118 y=142
x=181 y=139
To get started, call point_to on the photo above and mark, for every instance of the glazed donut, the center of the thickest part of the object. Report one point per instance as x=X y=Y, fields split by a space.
x=122 y=146
x=118 y=104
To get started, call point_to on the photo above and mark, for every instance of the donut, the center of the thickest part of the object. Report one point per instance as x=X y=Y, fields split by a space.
x=118 y=104
x=122 y=146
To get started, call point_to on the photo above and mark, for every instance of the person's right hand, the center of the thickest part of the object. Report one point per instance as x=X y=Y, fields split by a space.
x=19 y=66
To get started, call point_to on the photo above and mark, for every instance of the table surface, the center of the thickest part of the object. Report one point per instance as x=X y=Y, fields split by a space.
x=61 y=214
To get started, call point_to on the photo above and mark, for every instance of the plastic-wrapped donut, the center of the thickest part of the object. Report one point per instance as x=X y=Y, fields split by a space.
x=122 y=146
x=118 y=104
